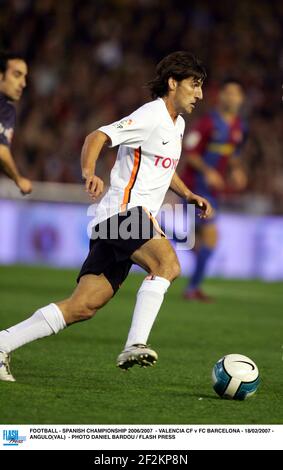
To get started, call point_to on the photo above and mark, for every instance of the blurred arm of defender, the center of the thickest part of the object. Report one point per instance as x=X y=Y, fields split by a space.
x=212 y=177
x=179 y=188
x=9 y=167
x=92 y=147
x=237 y=170
x=237 y=174
x=195 y=144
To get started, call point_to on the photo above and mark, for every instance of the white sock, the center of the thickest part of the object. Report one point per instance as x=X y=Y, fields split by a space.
x=44 y=322
x=149 y=299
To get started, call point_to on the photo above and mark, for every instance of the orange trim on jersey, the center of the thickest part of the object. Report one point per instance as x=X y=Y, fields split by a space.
x=154 y=221
x=133 y=177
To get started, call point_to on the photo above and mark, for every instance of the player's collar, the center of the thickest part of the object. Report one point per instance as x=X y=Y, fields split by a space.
x=167 y=112
x=5 y=97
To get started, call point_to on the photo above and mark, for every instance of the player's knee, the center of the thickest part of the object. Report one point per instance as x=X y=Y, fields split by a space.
x=86 y=309
x=83 y=311
x=86 y=313
x=210 y=236
x=78 y=310
x=175 y=270
x=169 y=269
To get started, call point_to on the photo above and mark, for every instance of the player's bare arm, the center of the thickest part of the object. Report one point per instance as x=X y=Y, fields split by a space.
x=92 y=147
x=212 y=176
x=13 y=74
x=237 y=176
x=179 y=187
x=9 y=167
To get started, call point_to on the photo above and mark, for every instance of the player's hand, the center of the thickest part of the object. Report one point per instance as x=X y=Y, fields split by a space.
x=238 y=179
x=202 y=204
x=214 y=179
x=94 y=186
x=24 y=185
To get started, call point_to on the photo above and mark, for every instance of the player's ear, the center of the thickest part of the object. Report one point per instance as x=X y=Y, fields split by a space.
x=172 y=84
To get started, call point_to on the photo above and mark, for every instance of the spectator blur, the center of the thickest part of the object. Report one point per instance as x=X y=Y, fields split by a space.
x=89 y=61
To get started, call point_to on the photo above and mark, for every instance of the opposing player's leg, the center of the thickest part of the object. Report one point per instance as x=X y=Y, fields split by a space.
x=92 y=292
x=207 y=238
x=159 y=259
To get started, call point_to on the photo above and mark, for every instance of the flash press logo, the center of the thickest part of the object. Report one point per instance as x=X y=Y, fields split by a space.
x=11 y=437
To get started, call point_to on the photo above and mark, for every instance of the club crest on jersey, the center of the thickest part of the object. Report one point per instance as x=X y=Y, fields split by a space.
x=124 y=123
x=8 y=133
x=192 y=139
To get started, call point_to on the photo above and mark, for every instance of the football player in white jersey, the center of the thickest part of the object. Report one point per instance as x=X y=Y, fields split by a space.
x=149 y=149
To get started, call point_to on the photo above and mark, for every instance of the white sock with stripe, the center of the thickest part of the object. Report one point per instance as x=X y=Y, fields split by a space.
x=46 y=321
x=149 y=299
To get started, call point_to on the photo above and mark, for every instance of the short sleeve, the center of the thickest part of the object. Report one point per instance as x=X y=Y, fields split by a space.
x=198 y=137
x=134 y=129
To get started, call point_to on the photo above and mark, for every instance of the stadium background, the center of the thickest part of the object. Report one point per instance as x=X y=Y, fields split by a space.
x=88 y=64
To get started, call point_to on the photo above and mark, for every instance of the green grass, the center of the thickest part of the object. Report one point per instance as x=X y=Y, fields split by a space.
x=72 y=378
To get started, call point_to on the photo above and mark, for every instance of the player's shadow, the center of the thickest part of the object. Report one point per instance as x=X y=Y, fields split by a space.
x=198 y=396
x=211 y=397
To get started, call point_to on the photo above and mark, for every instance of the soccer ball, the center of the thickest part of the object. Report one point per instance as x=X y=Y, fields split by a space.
x=235 y=376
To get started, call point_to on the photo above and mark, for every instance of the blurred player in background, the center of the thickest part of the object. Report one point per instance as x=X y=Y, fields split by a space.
x=13 y=73
x=212 y=152
x=147 y=138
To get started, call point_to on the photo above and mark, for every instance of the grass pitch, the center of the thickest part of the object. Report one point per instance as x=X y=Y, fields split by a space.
x=72 y=378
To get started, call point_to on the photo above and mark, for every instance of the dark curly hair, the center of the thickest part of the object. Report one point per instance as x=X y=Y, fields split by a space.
x=5 y=56
x=178 y=65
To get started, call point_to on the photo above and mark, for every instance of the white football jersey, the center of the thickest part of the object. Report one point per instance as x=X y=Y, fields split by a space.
x=149 y=150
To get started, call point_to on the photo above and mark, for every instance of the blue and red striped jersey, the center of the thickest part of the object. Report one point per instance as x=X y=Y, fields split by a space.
x=215 y=140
